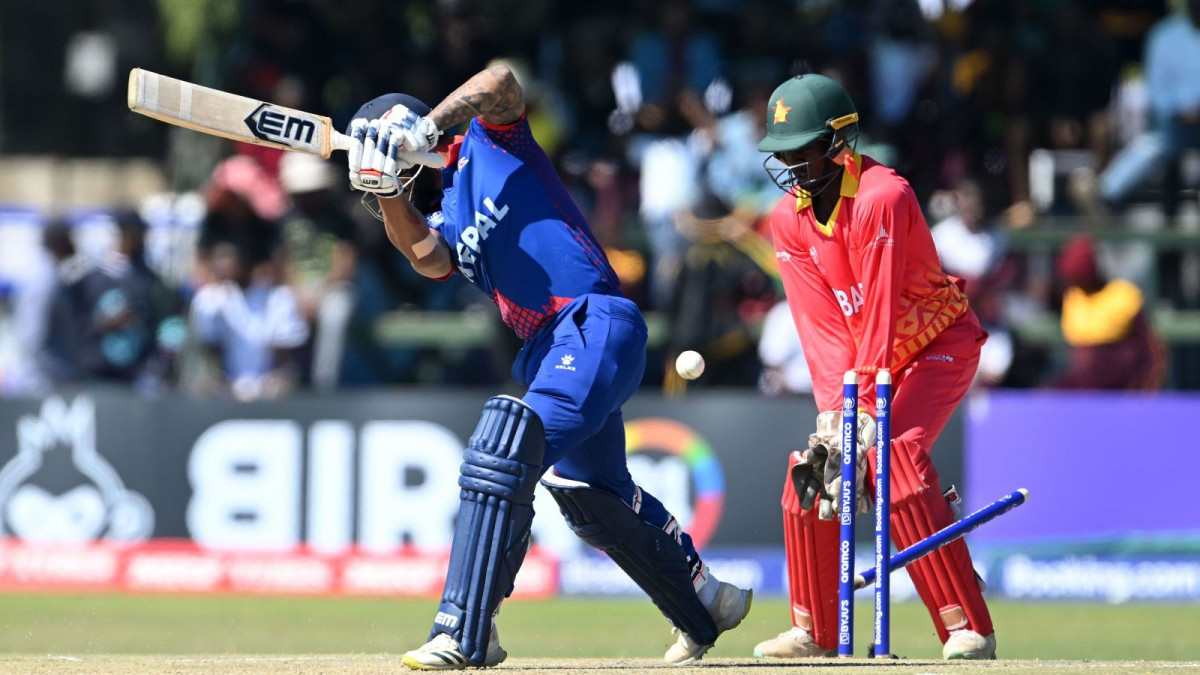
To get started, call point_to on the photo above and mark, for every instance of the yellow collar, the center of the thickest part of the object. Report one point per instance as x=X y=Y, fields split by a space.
x=849 y=188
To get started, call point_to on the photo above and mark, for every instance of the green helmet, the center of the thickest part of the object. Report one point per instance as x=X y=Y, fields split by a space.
x=805 y=108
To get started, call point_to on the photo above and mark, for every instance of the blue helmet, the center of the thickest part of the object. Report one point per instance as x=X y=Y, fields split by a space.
x=376 y=107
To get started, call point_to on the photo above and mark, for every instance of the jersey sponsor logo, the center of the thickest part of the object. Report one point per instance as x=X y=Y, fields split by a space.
x=946 y=358
x=784 y=256
x=567 y=360
x=851 y=300
x=463 y=162
x=469 y=242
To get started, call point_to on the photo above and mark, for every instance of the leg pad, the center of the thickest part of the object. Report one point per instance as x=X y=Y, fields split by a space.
x=491 y=536
x=650 y=556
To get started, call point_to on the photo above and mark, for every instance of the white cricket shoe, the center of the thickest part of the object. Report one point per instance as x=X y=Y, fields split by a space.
x=731 y=605
x=442 y=653
x=796 y=643
x=969 y=645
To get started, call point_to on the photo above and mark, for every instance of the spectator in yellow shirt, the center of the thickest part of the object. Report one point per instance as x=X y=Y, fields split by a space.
x=1112 y=344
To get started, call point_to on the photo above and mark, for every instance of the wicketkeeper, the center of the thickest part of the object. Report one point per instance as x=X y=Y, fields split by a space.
x=499 y=215
x=866 y=289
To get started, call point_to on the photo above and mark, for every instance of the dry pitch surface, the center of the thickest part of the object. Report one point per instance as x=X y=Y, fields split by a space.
x=357 y=663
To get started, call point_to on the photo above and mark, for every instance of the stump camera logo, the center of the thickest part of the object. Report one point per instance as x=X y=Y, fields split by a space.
x=59 y=489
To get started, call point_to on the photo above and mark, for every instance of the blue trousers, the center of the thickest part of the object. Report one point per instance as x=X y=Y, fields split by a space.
x=580 y=369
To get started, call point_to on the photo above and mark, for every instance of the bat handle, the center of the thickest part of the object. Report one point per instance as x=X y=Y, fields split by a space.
x=340 y=141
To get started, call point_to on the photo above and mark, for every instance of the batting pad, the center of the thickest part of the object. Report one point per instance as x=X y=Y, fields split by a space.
x=500 y=469
x=650 y=556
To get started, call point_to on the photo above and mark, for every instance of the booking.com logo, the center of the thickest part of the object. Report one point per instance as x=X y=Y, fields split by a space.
x=656 y=434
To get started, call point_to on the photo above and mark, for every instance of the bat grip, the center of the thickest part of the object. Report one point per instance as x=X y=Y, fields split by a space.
x=341 y=141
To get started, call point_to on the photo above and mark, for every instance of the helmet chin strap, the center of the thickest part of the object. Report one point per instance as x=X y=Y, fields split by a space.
x=819 y=184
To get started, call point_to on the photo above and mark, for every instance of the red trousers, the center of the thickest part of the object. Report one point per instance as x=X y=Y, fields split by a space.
x=925 y=394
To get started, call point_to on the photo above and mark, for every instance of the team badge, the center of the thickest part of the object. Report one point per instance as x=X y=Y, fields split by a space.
x=781 y=112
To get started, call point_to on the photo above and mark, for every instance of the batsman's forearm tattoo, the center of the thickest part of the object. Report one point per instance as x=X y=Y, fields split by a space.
x=492 y=95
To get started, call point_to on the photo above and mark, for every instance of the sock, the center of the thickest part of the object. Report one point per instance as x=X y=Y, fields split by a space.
x=706 y=585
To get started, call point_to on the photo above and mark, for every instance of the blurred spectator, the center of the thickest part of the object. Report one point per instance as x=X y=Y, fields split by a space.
x=901 y=58
x=251 y=323
x=733 y=170
x=726 y=285
x=972 y=249
x=1072 y=80
x=1173 y=76
x=784 y=370
x=669 y=183
x=319 y=238
x=132 y=324
x=673 y=57
x=49 y=333
x=244 y=203
x=1105 y=323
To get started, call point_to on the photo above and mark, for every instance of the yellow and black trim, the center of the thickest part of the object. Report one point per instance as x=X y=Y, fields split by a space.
x=851 y=175
x=842 y=121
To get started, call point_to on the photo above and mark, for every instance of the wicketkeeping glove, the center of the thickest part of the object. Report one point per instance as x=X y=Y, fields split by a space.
x=808 y=475
x=819 y=474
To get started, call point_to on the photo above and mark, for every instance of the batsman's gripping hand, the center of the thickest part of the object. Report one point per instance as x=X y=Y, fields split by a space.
x=374 y=159
x=414 y=133
x=377 y=148
x=828 y=436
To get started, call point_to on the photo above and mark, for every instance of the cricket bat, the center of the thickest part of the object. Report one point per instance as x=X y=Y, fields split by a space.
x=220 y=113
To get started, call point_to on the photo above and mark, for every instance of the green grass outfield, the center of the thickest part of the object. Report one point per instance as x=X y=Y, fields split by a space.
x=554 y=629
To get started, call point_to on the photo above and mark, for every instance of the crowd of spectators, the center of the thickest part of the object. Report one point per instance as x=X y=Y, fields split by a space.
x=651 y=111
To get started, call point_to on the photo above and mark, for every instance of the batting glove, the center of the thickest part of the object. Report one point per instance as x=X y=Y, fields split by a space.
x=374 y=162
x=416 y=133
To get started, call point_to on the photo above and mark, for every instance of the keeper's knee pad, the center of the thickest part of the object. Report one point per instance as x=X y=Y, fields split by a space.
x=650 y=556
x=499 y=472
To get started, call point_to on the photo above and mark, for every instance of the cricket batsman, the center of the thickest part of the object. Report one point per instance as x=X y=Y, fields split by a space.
x=866 y=290
x=499 y=215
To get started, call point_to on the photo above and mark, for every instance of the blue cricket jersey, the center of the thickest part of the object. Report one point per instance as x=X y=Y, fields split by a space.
x=514 y=230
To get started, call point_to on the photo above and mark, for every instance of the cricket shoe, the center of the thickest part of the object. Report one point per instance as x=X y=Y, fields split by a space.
x=969 y=645
x=442 y=653
x=796 y=643
x=731 y=605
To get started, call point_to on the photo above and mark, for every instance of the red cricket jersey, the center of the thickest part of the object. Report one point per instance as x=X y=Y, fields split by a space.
x=866 y=288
